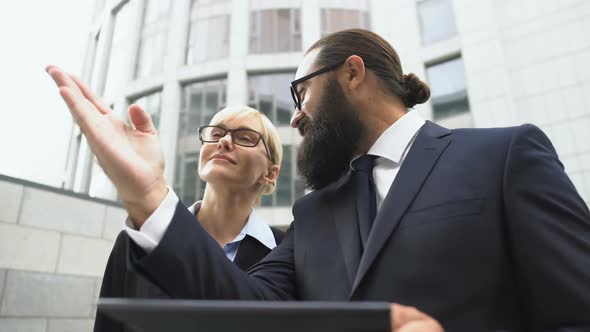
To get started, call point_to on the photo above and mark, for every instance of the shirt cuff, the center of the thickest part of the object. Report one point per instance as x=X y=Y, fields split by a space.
x=153 y=229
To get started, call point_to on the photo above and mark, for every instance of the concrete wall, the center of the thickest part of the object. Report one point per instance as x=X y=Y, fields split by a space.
x=527 y=62
x=54 y=246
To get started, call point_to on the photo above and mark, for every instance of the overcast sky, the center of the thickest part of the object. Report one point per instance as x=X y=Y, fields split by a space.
x=35 y=124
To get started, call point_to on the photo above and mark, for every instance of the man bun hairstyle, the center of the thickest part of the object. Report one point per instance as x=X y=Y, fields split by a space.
x=417 y=92
x=378 y=56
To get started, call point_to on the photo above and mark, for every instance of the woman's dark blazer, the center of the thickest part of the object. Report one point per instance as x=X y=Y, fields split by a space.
x=121 y=280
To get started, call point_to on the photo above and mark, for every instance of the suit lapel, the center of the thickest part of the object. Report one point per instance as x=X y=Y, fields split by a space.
x=343 y=205
x=425 y=151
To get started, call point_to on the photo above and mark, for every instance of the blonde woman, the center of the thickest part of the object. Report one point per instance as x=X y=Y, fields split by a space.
x=239 y=161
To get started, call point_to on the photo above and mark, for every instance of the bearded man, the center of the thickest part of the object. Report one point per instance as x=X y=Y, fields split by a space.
x=479 y=229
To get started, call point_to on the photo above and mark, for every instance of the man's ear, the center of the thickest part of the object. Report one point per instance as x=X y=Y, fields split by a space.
x=354 y=68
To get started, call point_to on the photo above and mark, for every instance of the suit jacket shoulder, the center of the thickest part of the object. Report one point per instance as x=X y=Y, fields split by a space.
x=278 y=234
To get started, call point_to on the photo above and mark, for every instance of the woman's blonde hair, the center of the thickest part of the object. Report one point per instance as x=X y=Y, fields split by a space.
x=271 y=136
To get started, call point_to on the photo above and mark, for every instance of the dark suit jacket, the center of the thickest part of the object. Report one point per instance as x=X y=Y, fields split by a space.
x=481 y=229
x=122 y=280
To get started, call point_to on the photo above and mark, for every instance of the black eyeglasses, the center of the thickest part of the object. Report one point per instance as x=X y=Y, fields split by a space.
x=241 y=136
x=295 y=93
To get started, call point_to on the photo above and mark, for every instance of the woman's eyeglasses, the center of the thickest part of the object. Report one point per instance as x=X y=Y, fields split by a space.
x=241 y=136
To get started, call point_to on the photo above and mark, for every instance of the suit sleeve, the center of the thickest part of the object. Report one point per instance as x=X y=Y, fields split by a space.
x=113 y=285
x=120 y=280
x=188 y=263
x=548 y=226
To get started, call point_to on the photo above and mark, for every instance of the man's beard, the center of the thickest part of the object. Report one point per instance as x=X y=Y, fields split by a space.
x=332 y=138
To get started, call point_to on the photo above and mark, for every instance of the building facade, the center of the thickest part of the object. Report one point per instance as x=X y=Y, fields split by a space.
x=185 y=60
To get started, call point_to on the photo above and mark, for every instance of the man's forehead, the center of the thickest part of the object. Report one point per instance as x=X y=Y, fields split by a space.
x=307 y=65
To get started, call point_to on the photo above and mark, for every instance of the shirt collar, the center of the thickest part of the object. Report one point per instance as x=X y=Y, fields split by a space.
x=394 y=141
x=255 y=227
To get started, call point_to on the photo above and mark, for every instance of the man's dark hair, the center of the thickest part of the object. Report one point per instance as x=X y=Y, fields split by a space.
x=378 y=56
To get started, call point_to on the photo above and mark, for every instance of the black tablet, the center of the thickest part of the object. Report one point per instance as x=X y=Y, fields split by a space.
x=258 y=316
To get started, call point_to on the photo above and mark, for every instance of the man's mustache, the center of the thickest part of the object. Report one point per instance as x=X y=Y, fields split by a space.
x=304 y=123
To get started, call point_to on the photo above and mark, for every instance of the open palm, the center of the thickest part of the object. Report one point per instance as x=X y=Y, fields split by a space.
x=131 y=156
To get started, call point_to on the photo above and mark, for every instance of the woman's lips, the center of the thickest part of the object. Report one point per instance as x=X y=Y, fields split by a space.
x=224 y=157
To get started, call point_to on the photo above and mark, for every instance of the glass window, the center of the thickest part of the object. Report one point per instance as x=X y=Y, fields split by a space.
x=448 y=88
x=192 y=188
x=340 y=19
x=289 y=185
x=116 y=72
x=284 y=185
x=270 y=94
x=201 y=101
x=152 y=104
x=275 y=30
x=152 y=45
x=437 y=21
x=208 y=36
x=97 y=49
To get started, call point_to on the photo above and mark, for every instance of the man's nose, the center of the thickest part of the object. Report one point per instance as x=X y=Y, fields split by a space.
x=296 y=118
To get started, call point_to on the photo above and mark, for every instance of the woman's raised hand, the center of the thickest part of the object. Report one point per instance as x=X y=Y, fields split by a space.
x=131 y=156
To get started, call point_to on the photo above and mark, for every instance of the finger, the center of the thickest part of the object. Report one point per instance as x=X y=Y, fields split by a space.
x=78 y=107
x=62 y=79
x=141 y=120
x=401 y=315
x=422 y=326
x=88 y=94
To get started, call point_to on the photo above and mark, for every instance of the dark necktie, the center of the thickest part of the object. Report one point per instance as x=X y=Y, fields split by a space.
x=366 y=199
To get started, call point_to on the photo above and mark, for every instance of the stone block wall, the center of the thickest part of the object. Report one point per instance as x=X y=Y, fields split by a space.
x=54 y=245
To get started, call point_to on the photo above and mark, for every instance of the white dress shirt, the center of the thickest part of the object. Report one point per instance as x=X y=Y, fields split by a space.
x=391 y=149
x=152 y=231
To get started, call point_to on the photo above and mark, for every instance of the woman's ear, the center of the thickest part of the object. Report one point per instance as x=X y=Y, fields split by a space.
x=272 y=175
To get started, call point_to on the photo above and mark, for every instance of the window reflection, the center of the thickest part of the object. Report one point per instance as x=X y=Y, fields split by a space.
x=152 y=46
x=448 y=88
x=333 y=20
x=437 y=21
x=289 y=185
x=275 y=30
x=270 y=94
x=151 y=104
x=208 y=32
x=201 y=101
x=117 y=72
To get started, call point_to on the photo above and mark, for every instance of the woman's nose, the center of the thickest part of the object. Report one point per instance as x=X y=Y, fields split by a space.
x=225 y=143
